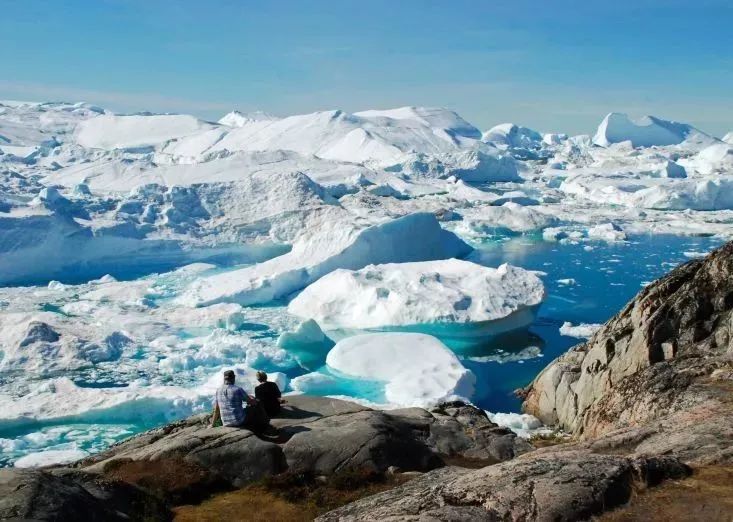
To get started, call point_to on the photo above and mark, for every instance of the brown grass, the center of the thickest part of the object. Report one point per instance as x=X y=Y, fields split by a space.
x=251 y=503
x=706 y=496
x=174 y=480
x=288 y=497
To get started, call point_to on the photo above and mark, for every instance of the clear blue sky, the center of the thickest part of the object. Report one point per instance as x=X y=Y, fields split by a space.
x=553 y=65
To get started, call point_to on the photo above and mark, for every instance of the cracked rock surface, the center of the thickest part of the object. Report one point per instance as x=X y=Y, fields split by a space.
x=322 y=436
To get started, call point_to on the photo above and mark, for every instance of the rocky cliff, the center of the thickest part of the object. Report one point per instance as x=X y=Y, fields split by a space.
x=661 y=370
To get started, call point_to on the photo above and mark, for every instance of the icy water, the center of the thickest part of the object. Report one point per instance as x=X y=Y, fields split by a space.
x=586 y=283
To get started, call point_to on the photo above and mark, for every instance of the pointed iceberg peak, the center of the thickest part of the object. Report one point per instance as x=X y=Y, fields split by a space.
x=240 y=119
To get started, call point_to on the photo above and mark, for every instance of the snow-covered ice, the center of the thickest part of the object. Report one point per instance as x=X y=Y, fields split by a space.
x=414 y=237
x=416 y=369
x=424 y=296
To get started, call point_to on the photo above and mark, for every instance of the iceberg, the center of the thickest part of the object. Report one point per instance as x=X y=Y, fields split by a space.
x=415 y=369
x=457 y=301
x=609 y=232
x=647 y=131
x=415 y=237
x=514 y=136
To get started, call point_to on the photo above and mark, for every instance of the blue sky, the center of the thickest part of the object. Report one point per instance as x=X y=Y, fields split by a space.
x=552 y=65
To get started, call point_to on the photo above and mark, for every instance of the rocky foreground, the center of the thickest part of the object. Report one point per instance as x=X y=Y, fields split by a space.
x=647 y=399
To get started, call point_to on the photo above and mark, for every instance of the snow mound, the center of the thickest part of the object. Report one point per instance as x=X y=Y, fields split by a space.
x=415 y=237
x=647 y=131
x=418 y=369
x=728 y=138
x=136 y=131
x=447 y=291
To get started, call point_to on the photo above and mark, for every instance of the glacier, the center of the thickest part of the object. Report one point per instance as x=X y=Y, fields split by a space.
x=142 y=254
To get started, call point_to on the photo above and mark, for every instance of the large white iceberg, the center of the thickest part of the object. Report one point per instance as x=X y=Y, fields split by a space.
x=448 y=298
x=647 y=131
x=415 y=237
x=418 y=370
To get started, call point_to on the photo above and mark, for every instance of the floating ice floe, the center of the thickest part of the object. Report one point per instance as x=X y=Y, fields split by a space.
x=609 y=232
x=579 y=331
x=411 y=369
x=308 y=344
x=50 y=457
x=60 y=400
x=414 y=237
x=652 y=193
x=510 y=217
x=452 y=299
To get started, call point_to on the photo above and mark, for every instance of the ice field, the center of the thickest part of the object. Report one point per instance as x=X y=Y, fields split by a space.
x=396 y=257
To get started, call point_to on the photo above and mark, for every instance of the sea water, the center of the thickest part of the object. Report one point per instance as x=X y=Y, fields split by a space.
x=586 y=282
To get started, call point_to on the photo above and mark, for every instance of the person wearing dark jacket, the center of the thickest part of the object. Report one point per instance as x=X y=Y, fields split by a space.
x=268 y=393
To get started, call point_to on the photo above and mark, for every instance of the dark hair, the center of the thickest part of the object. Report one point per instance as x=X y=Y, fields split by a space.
x=229 y=377
x=261 y=376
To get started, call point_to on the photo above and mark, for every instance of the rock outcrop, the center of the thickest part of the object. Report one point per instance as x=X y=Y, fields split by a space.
x=72 y=495
x=559 y=485
x=315 y=435
x=659 y=374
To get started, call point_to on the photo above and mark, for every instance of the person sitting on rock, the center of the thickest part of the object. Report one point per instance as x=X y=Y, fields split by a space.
x=229 y=403
x=268 y=393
